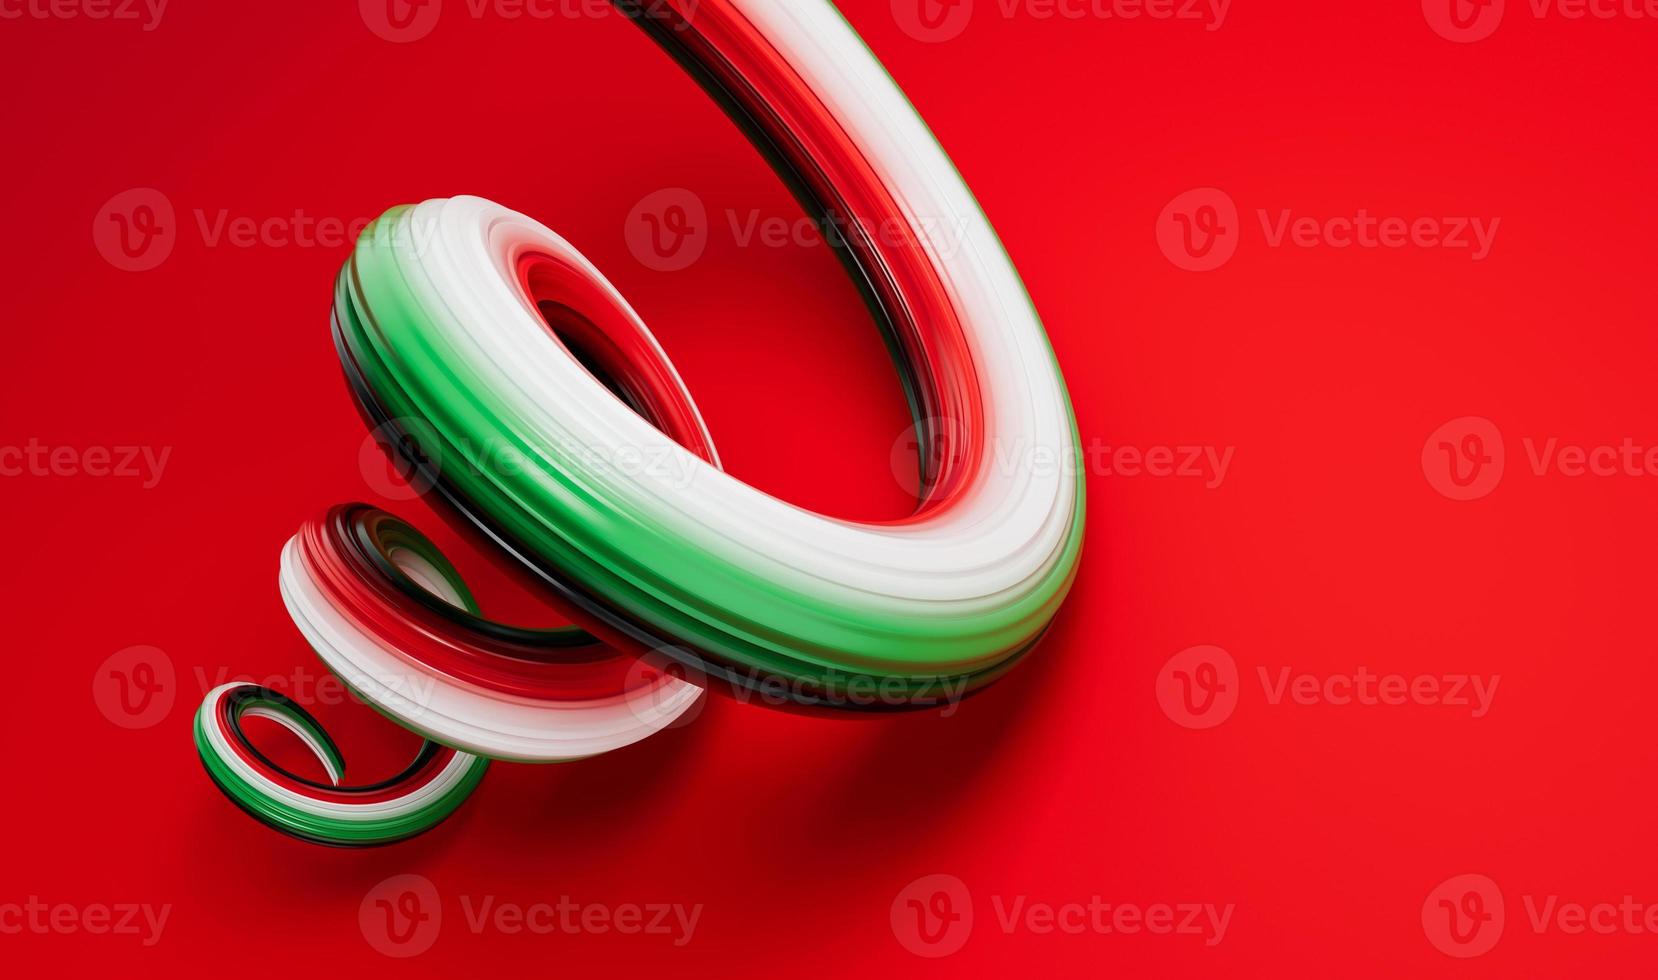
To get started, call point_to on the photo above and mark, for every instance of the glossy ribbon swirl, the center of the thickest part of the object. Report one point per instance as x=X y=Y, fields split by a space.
x=519 y=385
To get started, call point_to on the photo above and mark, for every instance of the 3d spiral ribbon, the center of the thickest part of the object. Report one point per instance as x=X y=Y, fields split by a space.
x=522 y=388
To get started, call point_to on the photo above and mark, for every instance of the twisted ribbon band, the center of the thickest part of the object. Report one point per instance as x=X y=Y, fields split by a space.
x=519 y=384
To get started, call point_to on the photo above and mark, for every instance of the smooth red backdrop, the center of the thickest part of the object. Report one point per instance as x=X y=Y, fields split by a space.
x=1325 y=549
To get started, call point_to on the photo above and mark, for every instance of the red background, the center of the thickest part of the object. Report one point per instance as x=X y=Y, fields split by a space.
x=1325 y=549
